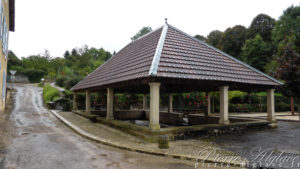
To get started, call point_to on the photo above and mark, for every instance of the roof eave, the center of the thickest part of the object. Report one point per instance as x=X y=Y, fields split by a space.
x=12 y=15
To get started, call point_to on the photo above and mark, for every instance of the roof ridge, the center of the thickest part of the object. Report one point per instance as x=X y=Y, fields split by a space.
x=227 y=55
x=158 y=51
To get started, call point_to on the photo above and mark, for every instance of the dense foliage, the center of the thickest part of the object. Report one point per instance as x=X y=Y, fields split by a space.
x=65 y=71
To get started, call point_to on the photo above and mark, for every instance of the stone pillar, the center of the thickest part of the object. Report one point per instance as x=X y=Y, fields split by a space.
x=145 y=102
x=75 y=107
x=224 y=105
x=170 y=104
x=154 y=106
x=88 y=101
x=271 y=105
x=208 y=112
x=110 y=104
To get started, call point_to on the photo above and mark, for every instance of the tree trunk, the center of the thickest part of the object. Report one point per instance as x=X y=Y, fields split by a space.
x=292 y=106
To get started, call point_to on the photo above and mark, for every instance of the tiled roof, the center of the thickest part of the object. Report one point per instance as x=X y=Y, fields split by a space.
x=171 y=53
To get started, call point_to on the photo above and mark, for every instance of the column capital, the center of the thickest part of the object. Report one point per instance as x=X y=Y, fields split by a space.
x=109 y=88
x=224 y=87
x=154 y=83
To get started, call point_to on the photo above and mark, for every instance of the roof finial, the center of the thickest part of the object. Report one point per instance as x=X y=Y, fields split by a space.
x=166 y=20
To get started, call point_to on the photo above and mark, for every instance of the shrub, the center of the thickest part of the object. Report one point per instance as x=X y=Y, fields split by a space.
x=69 y=83
x=34 y=76
x=50 y=93
x=236 y=96
x=60 y=81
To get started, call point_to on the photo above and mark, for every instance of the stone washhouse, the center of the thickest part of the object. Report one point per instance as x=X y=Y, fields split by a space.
x=167 y=60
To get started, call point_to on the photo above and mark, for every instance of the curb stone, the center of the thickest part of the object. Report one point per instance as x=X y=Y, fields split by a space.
x=89 y=136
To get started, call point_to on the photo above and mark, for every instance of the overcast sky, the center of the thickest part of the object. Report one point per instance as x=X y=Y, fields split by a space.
x=60 y=25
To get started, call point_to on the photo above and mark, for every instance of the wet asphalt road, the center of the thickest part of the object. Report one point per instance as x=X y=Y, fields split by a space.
x=40 y=141
x=267 y=145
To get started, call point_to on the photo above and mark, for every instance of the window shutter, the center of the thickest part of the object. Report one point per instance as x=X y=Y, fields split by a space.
x=3 y=35
x=1 y=19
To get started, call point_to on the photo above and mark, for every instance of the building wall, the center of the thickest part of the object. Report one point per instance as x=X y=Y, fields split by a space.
x=4 y=32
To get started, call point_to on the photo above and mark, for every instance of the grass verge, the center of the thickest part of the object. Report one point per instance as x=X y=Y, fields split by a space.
x=50 y=93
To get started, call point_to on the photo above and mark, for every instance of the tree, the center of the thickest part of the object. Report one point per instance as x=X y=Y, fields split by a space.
x=200 y=37
x=289 y=70
x=233 y=40
x=286 y=39
x=142 y=32
x=263 y=25
x=67 y=54
x=256 y=52
x=214 y=38
x=14 y=63
x=287 y=26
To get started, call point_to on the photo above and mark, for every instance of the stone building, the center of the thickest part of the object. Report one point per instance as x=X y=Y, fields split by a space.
x=167 y=60
x=7 y=23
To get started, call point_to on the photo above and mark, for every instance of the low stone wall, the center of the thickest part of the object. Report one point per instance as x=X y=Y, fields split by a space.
x=171 y=118
x=129 y=115
x=178 y=132
x=20 y=79
x=101 y=113
x=196 y=119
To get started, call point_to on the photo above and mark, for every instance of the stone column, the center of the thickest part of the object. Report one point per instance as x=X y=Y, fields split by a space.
x=208 y=112
x=75 y=107
x=110 y=104
x=224 y=105
x=145 y=102
x=154 y=106
x=88 y=101
x=271 y=106
x=170 y=104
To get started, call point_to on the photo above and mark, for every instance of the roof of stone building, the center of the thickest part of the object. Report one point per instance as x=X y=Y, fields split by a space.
x=170 y=53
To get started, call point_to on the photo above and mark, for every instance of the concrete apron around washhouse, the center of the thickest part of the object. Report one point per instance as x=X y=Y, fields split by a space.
x=179 y=132
x=198 y=159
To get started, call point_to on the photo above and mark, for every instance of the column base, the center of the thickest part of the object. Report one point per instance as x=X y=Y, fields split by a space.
x=154 y=126
x=109 y=118
x=272 y=125
x=272 y=120
x=221 y=121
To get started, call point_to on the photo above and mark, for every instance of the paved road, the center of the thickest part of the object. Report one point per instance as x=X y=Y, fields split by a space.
x=267 y=145
x=40 y=141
